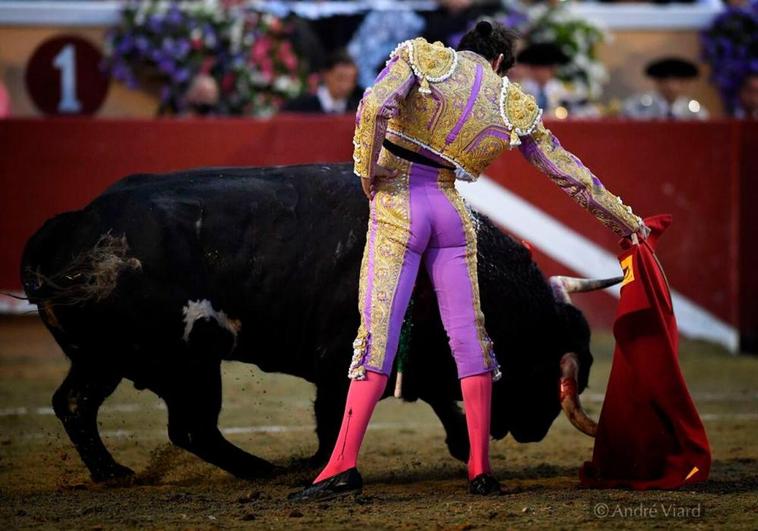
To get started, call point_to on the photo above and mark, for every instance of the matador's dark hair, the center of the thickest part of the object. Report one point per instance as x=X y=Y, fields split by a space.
x=490 y=39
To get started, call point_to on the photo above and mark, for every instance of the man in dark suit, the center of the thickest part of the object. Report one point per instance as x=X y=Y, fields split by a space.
x=337 y=92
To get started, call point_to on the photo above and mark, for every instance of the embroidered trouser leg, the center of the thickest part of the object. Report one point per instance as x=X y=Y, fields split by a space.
x=419 y=216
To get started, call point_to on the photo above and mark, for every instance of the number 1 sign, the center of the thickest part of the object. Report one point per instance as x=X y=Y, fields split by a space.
x=63 y=77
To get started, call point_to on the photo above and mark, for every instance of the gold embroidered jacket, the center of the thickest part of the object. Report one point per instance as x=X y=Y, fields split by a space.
x=450 y=105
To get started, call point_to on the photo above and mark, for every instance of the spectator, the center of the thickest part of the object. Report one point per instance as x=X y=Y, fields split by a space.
x=747 y=98
x=672 y=77
x=379 y=34
x=541 y=61
x=337 y=92
x=202 y=96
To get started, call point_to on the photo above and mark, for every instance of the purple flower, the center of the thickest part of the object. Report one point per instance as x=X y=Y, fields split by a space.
x=730 y=45
x=165 y=93
x=209 y=34
x=181 y=75
x=118 y=71
x=181 y=48
x=154 y=23
x=125 y=45
x=121 y=72
x=141 y=43
x=167 y=66
x=174 y=16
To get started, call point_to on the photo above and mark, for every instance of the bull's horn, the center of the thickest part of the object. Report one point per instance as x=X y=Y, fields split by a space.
x=570 y=403
x=562 y=285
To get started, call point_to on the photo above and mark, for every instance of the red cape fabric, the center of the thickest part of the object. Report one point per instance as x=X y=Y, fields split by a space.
x=649 y=434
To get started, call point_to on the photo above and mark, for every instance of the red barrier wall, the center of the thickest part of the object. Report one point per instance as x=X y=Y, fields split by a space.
x=703 y=173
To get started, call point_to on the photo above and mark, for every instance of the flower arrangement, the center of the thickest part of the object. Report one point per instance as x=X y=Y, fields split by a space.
x=247 y=53
x=730 y=46
x=578 y=39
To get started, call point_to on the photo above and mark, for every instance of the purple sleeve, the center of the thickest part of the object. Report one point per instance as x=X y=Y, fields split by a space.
x=542 y=149
x=379 y=103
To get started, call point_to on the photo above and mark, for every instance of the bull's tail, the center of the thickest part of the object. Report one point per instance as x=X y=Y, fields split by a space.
x=55 y=273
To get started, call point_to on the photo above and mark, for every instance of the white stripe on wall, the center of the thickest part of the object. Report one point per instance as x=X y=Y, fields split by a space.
x=10 y=305
x=582 y=255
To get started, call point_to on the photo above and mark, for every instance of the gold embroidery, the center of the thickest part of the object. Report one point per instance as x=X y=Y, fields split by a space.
x=391 y=216
x=431 y=62
x=519 y=111
x=427 y=121
x=574 y=178
x=378 y=104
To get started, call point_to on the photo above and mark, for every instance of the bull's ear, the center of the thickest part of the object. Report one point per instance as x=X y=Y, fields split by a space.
x=575 y=331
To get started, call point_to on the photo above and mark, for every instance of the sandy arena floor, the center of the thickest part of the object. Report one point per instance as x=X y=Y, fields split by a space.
x=411 y=480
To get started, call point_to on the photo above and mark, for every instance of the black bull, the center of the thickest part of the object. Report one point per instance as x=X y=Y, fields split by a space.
x=162 y=277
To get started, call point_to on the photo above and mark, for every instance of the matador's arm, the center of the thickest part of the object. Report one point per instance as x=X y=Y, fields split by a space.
x=380 y=103
x=542 y=149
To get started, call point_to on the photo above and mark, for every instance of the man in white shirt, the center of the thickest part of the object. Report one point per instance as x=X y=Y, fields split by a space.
x=669 y=100
x=336 y=94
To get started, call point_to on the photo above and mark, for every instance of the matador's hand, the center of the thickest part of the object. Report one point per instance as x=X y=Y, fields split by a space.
x=379 y=171
x=366 y=184
x=641 y=234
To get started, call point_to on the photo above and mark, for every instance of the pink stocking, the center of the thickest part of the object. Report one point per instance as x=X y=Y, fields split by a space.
x=361 y=399
x=477 y=398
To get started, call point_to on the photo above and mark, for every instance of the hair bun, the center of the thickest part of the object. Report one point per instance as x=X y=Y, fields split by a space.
x=484 y=28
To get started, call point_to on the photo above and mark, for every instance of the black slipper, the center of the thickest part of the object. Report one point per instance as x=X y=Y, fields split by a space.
x=347 y=482
x=485 y=485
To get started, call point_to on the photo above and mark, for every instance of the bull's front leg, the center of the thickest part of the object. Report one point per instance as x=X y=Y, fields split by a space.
x=76 y=403
x=193 y=399
x=454 y=422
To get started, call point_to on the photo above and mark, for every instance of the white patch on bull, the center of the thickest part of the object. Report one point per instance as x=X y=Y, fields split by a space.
x=338 y=251
x=203 y=309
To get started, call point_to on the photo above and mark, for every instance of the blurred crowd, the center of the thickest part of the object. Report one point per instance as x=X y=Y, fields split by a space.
x=343 y=53
x=358 y=53
x=225 y=61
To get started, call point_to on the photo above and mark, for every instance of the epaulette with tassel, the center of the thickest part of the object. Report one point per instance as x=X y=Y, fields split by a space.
x=430 y=62
x=519 y=111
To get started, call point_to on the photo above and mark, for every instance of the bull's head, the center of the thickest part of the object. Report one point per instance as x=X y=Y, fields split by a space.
x=562 y=288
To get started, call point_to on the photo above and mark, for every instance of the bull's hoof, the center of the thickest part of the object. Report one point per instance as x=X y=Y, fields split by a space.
x=260 y=469
x=114 y=473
